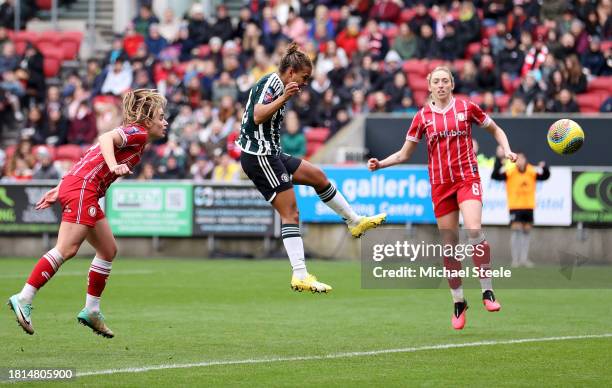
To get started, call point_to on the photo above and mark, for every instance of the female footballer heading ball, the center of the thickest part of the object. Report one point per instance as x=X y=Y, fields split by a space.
x=446 y=123
x=116 y=154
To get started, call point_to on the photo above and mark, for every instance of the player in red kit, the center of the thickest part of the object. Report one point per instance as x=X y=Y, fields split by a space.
x=446 y=123
x=115 y=155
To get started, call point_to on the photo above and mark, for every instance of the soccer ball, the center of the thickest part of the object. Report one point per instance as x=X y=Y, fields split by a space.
x=565 y=137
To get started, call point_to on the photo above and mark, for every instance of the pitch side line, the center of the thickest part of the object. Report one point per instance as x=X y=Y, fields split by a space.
x=81 y=273
x=337 y=355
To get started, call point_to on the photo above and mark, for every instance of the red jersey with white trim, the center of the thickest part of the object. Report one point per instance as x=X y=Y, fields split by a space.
x=449 y=139
x=92 y=167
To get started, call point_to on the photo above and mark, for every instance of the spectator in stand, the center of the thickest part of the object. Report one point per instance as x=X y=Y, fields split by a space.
x=565 y=103
x=487 y=77
x=132 y=41
x=44 y=168
x=466 y=83
x=517 y=107
x=385 y=11
x=593 y=59
x=169 y=26
x=342 y=118
x=295 y=28
x=358 y=104
x=592 y=24
x=498 y=40
x=347 y=38
x=538 y=105
x=201 y=169
x=397 y=91
x=19 y=165
x=535 y=57
x=326 y=60
x=580 y=36
x=273 y=37
x=35 y=125
x=292 y=139
x=304 y=106
x=421 y=18
x=380 y=103
x=405 y=43
x=510 y=59
x=145 y=18
x=451 y=46
x=494 y=10
x=244 y=19
x=170 y=169
x=32 y=64
x=118 y=79
x=199 y=29
x=576 y=80
x=224 y=86
x=147 y=172
x=378 y=42
x=427 y=46
x=519 y=21
x=488 y=104
x=322 y=22
x=326 y=111
x=83 y=129
x=227 y=170
x=567 y=46
x=9 y=60
x=222 y=27
x=469 y=26
x=56 y=130
x=529 y=87
x=154 y=41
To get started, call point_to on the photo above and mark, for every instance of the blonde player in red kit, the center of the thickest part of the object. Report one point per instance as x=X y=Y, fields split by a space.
x=115 y=155
x=453 y=172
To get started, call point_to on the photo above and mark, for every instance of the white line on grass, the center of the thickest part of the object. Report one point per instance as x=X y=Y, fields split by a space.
x=338 y=355
x=81 y=273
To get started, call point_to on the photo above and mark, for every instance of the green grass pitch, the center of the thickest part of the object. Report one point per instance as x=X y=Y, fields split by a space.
x=183 y=312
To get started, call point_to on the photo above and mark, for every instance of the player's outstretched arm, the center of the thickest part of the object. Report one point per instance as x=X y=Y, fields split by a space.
x=263 y=112
x=502 y=140
x=399 y=157
x=108 y=141
x=48 y=199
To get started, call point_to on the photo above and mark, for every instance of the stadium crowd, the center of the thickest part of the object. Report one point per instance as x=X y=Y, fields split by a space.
x=521 y=57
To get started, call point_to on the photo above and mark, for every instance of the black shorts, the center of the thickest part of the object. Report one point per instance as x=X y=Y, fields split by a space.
x=271 y=174
x=522 y=215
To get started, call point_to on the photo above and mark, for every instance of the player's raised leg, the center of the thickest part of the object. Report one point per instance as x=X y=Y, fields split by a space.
x=448 y=224
x=311 y=175
x=69 y=239
x=103 y=241
x=471 y=210
x=286 y=205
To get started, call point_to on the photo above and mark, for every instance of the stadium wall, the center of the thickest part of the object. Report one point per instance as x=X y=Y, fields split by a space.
x=385 y=133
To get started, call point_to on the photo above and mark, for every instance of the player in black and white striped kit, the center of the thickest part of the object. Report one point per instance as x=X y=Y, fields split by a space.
x=274 y=172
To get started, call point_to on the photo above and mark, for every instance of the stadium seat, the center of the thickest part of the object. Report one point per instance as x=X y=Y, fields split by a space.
x=203 y=50
x=10 y=151
x=472 y=49
x=417 y=82
x=52 y=61
x=502 y=102
x=606 y=45
x=458 y=64
x=44 y=4
x=335 y=15
x=71 y=152
x=22 y=38
x=589 y=102
x=70 y=42
x=407 y=14
x=391 y=32
x=415 y=66
x=420 y=96
x=601 y=84
x=46 y=42
x=312 y=148
x=487 y=32
x=433 y=64
x=317 y=134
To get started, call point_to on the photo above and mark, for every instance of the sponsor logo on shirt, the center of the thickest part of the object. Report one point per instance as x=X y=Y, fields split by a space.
x=451 y=133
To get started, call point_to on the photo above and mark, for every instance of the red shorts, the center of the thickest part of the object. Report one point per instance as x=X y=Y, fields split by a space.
x=79 y=202
x=446 y=197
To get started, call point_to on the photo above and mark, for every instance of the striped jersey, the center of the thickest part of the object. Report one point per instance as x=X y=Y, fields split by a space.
x=92 y=167
x=449 y=139
x=262 y=139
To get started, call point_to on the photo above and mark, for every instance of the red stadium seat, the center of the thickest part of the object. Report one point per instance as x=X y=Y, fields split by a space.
x=22 y=38
x=10 y=151
x=407 y=14
x=52 y=61
x=590 y=102
x=606 y=45
x=502 y=102
x=335 y=15
x=472 y=49
x=71 y=152
x=44 y=4
x=70 y=42
x=476 y=99
x=420 y=96
x=601 y=84
x=312 y=148
x=433 y=64
x=46 y=42
x=317 y=134
x=417 y=82
x=462 y=96
x=458 y=64
x=391 y=32
x=415 y=66
x=487 y=32
x=371 y=100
